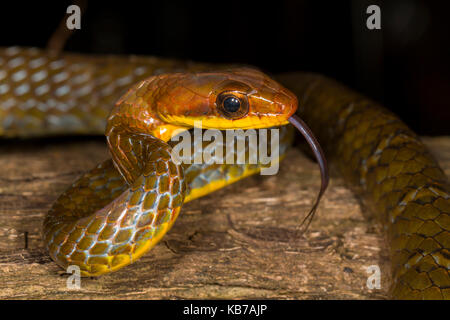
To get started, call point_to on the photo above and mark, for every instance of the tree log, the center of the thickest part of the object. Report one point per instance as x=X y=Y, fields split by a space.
x=236 y=243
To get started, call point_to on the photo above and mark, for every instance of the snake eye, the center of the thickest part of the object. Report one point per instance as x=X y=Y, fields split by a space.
x=231 y=105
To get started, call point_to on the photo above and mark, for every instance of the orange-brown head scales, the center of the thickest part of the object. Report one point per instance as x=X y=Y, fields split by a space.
x=232 y=99
x=239 y=98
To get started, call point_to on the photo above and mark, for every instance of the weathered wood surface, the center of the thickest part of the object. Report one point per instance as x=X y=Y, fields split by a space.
x=235 y=243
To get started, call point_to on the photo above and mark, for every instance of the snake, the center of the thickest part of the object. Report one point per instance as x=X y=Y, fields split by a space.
x=117 y=211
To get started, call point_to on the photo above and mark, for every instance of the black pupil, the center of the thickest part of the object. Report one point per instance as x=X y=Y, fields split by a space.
x=231 y=104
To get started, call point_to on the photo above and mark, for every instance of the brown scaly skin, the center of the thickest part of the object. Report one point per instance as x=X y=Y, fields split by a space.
x=119 y=210
x=394 y=173
x=376 y=153
x=45 y=94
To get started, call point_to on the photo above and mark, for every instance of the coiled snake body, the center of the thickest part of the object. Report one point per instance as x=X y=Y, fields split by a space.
x=120 y=209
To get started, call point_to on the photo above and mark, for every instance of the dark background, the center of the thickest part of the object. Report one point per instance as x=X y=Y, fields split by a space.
x=405 y=65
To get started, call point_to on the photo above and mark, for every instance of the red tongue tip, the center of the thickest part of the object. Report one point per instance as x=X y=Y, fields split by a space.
x=321 y=160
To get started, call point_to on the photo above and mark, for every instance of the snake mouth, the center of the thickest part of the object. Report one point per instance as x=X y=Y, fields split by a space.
x=307 y=133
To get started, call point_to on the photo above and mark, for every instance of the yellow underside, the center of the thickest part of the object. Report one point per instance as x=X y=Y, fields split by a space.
x=224 y=124
x=215 y=185
x=221 y=183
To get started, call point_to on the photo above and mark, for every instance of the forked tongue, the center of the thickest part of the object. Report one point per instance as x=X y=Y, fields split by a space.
x=321 y=160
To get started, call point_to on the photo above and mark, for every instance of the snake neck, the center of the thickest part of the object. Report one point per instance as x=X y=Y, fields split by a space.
x=134 y=128
x=136 y=111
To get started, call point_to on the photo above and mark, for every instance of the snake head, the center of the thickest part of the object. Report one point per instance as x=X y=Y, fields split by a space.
x=238 y=98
